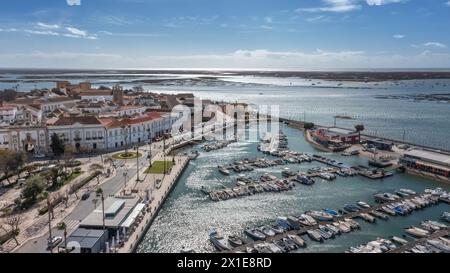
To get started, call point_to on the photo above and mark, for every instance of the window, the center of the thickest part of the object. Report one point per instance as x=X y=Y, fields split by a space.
x=88 y=135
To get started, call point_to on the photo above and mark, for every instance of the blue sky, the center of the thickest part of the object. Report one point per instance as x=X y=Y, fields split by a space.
x=240 y=34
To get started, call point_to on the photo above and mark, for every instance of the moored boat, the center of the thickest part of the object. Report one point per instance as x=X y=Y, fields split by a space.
x=218 y=241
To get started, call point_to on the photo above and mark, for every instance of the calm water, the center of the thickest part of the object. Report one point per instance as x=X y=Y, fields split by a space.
x=188 y=214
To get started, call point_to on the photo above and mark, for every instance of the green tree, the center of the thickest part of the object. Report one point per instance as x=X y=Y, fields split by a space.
x=359 y=128
x=63 y=226
x=57 y=145
x=308 y=125
x=33 y=187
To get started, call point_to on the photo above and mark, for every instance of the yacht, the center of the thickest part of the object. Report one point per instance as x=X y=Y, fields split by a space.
x=343 y=227
x=218 y=241
x=388 y=210
x=320 y=215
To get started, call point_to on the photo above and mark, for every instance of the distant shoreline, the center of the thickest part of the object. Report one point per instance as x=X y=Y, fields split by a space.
x=349 y=76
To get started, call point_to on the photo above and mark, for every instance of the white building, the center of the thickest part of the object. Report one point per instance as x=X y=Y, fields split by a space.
x=130 y=110
x=8 y=114
x=28 y=139
x=84 y=133
x=97 y=95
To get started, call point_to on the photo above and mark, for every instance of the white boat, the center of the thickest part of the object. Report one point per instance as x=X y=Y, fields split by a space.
x=417 y=232
x=363 y=204
x=399 y=240
x=320 y=215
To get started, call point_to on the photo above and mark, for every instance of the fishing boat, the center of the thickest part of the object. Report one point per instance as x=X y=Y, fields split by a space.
x=417 y=232
x=398 y=240
x=255 y=234
x=314 y=235
x=235 y=240
x=297 y=240
x=351 y=208
x=362 y=204
x=320 y=215
x=218 y=241
x=267 y=231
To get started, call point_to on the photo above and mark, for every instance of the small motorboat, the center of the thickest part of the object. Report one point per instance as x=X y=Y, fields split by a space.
x=297 y=240
x=324 y=233
x=320 y=215
x=417 y=232
x=310 y=221
x=378 y=214
x=314 y=235
x=267 y=231
x=277 y=229
x=223 y=170
x=445 y=216
x=331 y=211
x=255 y=234
x=363 y=204
x=351 y=208
x=369 y=218
x=218 y=241
x=235 y=240
x=398 y=240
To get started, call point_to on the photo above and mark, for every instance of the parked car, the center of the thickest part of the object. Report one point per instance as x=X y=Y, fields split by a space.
x=85 y=195
x=52 y=242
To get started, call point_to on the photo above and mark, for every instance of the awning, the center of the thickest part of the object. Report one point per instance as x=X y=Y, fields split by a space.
x=133 y=215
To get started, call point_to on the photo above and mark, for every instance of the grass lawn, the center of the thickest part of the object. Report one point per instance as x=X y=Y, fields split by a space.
x=130 y=155
x=72 y=176
x=158 y=167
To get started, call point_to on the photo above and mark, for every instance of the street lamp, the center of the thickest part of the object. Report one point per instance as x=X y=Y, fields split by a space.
x=137 y=163
x=125 y=174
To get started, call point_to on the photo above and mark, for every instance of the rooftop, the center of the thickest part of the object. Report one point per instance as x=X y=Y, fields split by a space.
x=85 y=120
x=430 y=156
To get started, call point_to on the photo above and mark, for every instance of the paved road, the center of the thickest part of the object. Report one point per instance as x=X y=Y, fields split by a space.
x=84 y=208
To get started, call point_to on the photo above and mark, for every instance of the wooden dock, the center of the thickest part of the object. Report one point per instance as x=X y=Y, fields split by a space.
x=412 y=244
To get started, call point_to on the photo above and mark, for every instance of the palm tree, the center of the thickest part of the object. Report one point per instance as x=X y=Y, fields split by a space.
x=63 y=226
x=99 y=192
x=49 y=211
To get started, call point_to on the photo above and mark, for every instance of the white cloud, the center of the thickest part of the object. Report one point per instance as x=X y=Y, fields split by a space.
x=383 y=2
x=435 y=44
x=76 y=31
x=447 y=4
x=333 y=6
x=8 y=30
x=73 y=2
x=47 y=26
x=41 y=32
x=398 y=36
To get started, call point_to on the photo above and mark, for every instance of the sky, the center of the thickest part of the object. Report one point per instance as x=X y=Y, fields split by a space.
x=225 y=34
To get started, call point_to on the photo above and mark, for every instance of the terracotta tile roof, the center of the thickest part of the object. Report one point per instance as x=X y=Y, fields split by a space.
x=143 y=118
x=85 y=120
